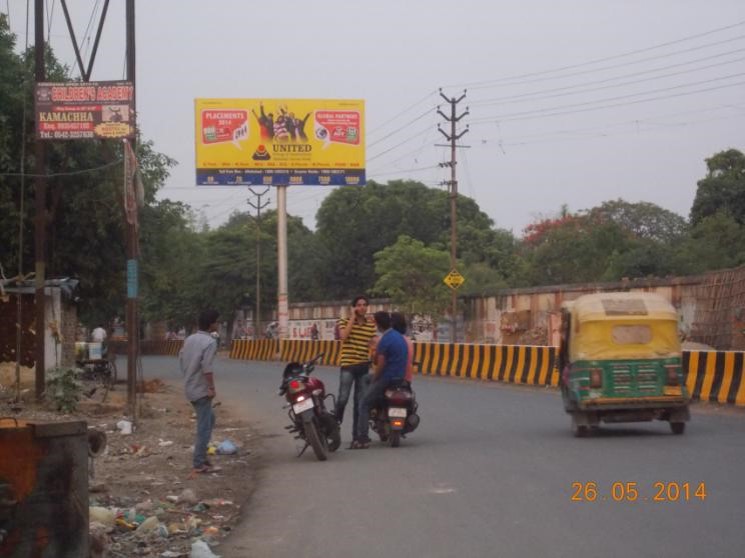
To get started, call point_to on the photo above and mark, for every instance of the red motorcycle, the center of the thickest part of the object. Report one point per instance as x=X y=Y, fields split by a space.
x=397 y=415
x=309 y=417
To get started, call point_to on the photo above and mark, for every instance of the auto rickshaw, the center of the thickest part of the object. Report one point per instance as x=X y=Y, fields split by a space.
x=620 y=361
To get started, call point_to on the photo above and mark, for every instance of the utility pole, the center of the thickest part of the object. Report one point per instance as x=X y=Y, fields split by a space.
x=453 y=137
x=132 y=314
x=41 y=211
x=258 y=206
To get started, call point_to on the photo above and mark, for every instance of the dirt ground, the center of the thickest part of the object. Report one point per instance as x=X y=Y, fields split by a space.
x=144 y=501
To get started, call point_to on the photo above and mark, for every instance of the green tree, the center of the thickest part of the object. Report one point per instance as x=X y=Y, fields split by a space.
x=411 y=273
x=716 y=242
x=85 y=230
x=355 y=223
x=643 y=220
x=723 y=188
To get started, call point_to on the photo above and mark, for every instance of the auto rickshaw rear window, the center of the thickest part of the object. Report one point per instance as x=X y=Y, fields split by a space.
x=628 y=307
x=631 y=334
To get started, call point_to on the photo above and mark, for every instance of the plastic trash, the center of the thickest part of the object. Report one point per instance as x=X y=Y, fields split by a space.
x=124 y=426
x=226 y=447
x=200 y=549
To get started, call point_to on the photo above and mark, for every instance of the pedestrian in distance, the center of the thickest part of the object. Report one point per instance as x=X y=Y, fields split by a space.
x=196 y=362
x=357 y=333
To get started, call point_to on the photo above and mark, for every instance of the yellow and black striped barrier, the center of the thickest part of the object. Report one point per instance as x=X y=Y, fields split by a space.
x=516 y=364
x=301 y=350
x=254 y=349
x=715 y=376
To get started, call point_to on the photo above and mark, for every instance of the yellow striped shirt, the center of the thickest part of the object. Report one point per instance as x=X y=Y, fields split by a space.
x=355 y=349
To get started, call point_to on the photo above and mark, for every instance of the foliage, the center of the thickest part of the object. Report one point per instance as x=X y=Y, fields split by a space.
x=411 y=275
x=355 y=223
x=716 y=242
x=643 y=220
x=723 y=188
x=63 y=388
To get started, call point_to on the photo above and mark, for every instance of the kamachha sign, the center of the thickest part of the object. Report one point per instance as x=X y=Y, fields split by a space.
x=85 y=110
x=280 y=142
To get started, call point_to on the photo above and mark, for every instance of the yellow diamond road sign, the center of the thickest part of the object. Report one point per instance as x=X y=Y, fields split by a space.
x=454 y=279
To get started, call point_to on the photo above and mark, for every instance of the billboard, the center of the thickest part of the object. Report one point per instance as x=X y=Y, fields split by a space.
x=280 y=142
x=85 y=110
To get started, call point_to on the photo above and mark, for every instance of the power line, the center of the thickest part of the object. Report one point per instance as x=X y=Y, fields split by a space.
x=402 y=127
x=546 y=111
x=404 y=111
x=598 y=60
x=424 y=131
x=540 y=94
x=70 y=173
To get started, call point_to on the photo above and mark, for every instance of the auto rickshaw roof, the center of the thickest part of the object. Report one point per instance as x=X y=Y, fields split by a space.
x=622 y=306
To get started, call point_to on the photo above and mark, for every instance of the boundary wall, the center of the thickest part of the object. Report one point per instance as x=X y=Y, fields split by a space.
x=713 y=376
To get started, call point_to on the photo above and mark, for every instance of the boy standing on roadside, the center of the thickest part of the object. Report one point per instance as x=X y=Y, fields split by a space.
x=195 y=360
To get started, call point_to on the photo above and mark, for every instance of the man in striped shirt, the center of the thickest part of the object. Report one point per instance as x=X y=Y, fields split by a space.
x=357 y=334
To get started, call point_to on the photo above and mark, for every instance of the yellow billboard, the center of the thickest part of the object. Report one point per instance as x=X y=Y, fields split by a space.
x=280 y=142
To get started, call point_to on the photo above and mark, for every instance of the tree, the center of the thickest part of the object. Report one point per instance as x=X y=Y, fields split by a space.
x=644 y=220
x=716 y=242
x=411 y=275
x=85 y=231
x=355 y=223
x=723 y=188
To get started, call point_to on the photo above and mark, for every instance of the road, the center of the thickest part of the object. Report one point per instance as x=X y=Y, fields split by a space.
x=489 y=472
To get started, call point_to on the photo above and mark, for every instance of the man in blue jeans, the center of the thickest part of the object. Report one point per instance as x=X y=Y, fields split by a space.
x=195 y=359
x=390 y=365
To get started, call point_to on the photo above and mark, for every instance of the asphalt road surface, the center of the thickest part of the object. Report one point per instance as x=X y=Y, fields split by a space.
x=491 y=471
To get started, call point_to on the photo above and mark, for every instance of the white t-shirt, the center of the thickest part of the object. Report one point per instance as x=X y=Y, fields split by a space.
x=98 y=335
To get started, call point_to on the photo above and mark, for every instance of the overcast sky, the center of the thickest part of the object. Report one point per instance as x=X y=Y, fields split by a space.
x=571 y=102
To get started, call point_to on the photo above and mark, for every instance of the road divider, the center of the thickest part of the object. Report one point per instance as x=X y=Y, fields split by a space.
x=713 y=376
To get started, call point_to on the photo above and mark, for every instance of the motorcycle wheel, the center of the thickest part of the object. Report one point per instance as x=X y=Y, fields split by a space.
x=318 y=443
x=395 y=438
x=333 y=440
x=383 y=433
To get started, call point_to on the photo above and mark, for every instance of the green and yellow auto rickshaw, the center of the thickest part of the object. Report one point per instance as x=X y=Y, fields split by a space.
x=620 y=361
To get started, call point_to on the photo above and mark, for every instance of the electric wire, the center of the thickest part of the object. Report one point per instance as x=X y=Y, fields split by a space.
x=401 y=113
x=538 y=95
x=477 y=84
x=68 y=173
x=547 y=111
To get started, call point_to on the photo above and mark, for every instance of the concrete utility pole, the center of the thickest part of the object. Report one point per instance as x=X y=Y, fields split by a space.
x=258 y=206
x=132 y=313
x=453 y=137
x=41 y=211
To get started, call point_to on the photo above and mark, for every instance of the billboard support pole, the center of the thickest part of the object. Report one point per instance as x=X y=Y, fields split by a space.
x=41 y=211
x=282 y=302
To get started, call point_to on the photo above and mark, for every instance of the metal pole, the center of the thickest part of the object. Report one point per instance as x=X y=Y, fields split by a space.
x=132 y=314
x=453 y=220
x=258 y=207
x=282 y=302
x=453 y=137
x=41 y=211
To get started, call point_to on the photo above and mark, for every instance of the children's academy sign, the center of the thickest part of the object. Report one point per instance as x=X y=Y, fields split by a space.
x=85 y=110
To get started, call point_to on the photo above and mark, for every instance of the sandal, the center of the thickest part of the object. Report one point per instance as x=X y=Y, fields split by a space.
x=357 y=444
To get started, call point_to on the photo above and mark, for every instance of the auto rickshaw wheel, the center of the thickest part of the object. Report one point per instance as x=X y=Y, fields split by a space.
x=580 y=430
x=678 y=427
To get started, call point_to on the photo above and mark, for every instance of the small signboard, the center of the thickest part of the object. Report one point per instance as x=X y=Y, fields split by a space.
x=85 y=110
x=454 y=279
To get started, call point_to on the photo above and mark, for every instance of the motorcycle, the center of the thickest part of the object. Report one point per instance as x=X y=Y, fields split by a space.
x=396 y=415
x=309 y=418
